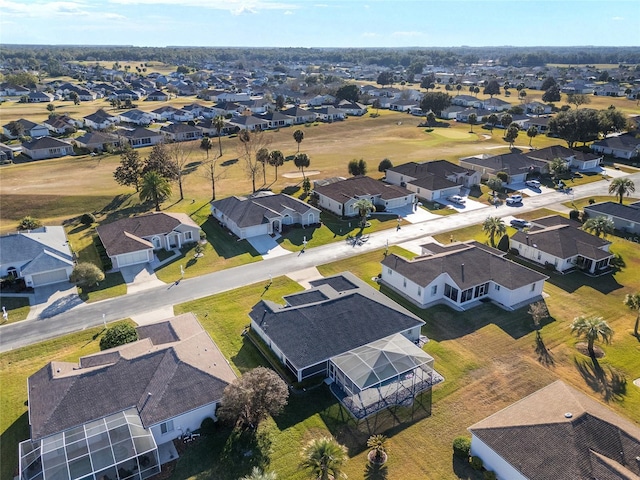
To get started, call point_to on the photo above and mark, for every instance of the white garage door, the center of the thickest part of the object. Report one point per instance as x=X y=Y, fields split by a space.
x=132 y=258
x=55 y=276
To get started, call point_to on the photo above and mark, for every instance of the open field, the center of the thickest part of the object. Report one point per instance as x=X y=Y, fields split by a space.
x=488 y=358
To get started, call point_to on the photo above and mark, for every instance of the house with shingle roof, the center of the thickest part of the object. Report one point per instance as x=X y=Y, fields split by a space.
x=573 y=158
x=100 y=120
x=340 y=195
x=263 y=213
x=136 y=116
x=300 y=115
x=364 y=342
x=140 y=137
x=40 y=257
x=29 y=128
x=558 y=432
x=626 y=146
x=516 y=165
x=248 y=122
x=181 y=132
x=560 y=243
x=118 y=411
x=46 y=147
x=432 y=180
x=461 y=275
x=626 y=218
x=277 y=119
x=7 y=154
x=131 y=241
x=98 y=141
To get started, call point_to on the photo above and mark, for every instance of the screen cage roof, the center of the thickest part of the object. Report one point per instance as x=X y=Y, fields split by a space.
x=116 y=447
x=371 y=364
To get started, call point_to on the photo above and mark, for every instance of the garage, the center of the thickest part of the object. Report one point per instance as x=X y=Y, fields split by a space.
x=46 y=278
x=132 y=258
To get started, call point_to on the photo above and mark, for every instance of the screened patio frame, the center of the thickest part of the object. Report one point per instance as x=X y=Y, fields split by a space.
x=116 y=447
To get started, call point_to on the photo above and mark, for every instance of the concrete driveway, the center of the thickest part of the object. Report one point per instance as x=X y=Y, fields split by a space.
x=267 y=246
x=51 y=300
x=412 y=215
x=140 y=277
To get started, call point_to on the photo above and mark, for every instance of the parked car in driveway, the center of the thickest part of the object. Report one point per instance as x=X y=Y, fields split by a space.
x=520 y=223
x=514 y=200
x=533 y=184
x=457 y=199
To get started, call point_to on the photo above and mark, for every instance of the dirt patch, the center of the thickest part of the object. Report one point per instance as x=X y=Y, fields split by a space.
x=308 y=173
x=582 y=348
x=636 y=382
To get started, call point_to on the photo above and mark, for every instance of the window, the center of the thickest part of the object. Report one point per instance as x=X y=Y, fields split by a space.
x=497 y=287
x=389 y=271
x=166 y=427
x=533 y=287
x=404 y=282
x=419 y=291
x=467 y=295
x=451 y=292
x=481 y=290
x=539 y=255
x=434 y=290
x=188 y=235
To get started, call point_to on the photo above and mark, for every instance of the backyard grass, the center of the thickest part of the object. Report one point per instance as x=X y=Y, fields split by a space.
x=17 y=308
x=112 y=286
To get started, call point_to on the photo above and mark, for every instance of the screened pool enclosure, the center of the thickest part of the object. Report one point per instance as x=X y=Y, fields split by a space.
x=116 y=447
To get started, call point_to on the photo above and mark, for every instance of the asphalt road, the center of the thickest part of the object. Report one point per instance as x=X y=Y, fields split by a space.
x=89 y=315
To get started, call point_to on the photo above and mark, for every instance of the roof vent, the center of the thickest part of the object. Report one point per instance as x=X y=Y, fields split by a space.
x=568 y=415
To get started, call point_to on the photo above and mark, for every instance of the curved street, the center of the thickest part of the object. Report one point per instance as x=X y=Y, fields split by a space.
x=89 y=315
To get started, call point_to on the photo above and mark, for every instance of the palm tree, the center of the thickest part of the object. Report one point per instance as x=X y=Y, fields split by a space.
x=302 y=160
x=592 y=329
x=632 y=300
x=218 y=124
x=378 y=444
x=531 y=132
x=473 y=118
x=257 y=474
x=262 y=156
x=154 y=188
x=324 y=457
x=621 y=187
x=494 y=226
x=557 y=167
x=599 y=226
x=276 y=159
x=364 y=206
x=206 y=144
x=298 y=135
x=492 y=120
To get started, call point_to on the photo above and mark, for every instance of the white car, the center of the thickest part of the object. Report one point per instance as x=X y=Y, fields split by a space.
x=533 y=184
x=514 y=200
x=457 y=199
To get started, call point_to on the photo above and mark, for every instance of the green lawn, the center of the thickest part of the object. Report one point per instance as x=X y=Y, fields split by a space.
x=112 y=286
x=585 y=202
x=17 y=308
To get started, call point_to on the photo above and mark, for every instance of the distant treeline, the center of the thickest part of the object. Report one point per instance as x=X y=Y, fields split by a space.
x=52 y=58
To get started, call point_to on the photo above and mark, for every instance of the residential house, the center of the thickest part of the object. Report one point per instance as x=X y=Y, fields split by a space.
x=541 y=124
x=29 y=129
x=537 y=108
x=352 y=108
x=578 y=86
x=466 y=101
x=6 y=154
x=232 y=97
x=343 y=329
x=248 y=122
x=61 y=124
x=277 y=119
x=432 y=180
x=40 y=97
x=403 y=105
x=136 y=117
x=495 y=105
x=450 y=113
x=125 y=94
x=557 y=432
x=626 y=218
x=609 y=90
x=320 y=100
x=329 y=114
x=164 y=113
x=98 y=141
x=462 y=275
x=181 y=132
x=209 y=129
x=339 y=195
x=115 y=414
x=140 y=137
x=480 y=114
x=224 y=109
x=131 y=241
x=300 y=115
x=573 y=158
x=256 y=105
x=100 y=120
x=40 y=257
x=263 y=213
x=180 y=115
x=626 y=145
x=157 y=96
x=46 y=147
x=516 y=165
x=560 y=244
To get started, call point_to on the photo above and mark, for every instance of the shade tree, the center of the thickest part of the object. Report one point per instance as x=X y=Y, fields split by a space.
x=85 y=274
x=130 y=168
x=357 y=167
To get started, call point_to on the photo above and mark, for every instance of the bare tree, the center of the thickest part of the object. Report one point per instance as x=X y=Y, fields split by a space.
x=211 y=172
x=250 y=143
x=538 y=312
x=180 y=153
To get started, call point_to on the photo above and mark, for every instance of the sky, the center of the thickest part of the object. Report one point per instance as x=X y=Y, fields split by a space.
x=321 y=23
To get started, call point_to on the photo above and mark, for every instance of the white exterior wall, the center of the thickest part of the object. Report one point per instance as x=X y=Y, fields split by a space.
x=510 y=298
x=28 y=279
x=116 y=259
x=493 y=461
x=402 y=284
x=396 y=179
x=620 y=223
x=398 y=202
x=531 y=253
x=45 y=153
x=187 y=421
x=248 y=232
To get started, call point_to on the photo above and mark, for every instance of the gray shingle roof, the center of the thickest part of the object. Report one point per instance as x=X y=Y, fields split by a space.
x=180 y=376
x=626 y=212
x=512 y=163
x=535 y=437
x=255 y=210
x=626 y=141
x=467 y=266
x=311 y=333
x=46 y=248
x=44 y=142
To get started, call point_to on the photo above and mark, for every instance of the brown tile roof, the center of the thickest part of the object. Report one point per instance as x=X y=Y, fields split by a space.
x=180 y=375
x=538 y=437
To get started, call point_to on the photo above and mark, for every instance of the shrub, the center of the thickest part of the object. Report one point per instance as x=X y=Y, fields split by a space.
x=476 y=463
x=29 y=223
x=592 y=201
x=85 y=274
x=461 y=446
x=574 y=215
x=118 y=335
x=503 y=244
x=87 y=219
x=208 y=426
x=514 y=251
x=489 y=475
x=380 y=208
x=549 y=266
